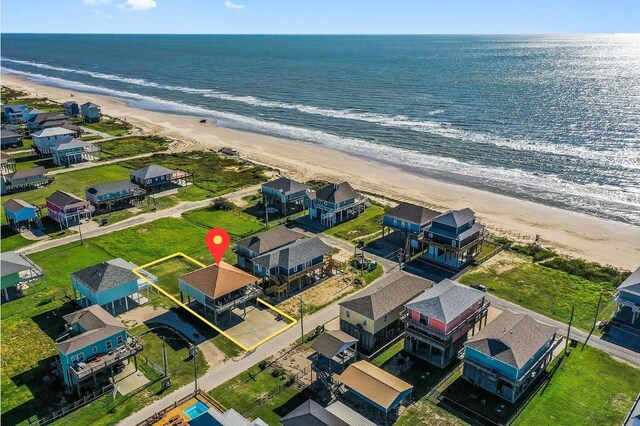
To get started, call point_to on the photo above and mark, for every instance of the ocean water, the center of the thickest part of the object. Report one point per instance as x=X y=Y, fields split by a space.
x=553 y=119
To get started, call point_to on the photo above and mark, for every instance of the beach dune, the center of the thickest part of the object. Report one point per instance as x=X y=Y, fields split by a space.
x=576 y=234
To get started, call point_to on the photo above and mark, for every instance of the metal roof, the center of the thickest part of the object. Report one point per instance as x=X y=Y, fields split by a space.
x=310 y=413
x=446 y=300
x=12 y=262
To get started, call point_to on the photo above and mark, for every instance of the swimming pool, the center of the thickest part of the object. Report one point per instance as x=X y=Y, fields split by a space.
x=195 y=410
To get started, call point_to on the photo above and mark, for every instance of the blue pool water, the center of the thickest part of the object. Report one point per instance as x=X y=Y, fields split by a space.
x=195 y=410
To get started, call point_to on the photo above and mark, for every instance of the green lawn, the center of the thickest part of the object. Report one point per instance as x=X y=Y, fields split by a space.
x=26 y=145
x=169 y=271
x=110 y=126
x=589 y=388
x=133 y=145
x=89 y=138
x=366 y=224
x=237 y=223
x=28 y=161
x=548 y=291
x=99 y=413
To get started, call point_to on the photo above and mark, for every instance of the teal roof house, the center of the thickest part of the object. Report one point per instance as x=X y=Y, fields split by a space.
x=284 y=194
x=94 y=343
x=509 y=354
x=111 y=284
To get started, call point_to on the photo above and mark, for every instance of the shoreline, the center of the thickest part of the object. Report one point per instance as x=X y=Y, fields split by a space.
x=577 y=234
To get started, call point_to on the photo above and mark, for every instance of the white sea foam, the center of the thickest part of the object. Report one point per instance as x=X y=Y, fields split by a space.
x=619 y=158
x=593 y=198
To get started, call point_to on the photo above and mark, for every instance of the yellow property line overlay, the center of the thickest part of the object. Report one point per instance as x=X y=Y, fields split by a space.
x=206 y=321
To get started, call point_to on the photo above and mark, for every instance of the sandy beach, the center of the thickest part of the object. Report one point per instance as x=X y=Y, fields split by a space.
x=577 y=234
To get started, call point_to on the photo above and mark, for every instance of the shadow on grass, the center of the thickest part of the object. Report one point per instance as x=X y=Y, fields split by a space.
x=46 y=388
x=51 y=322
x=294 y=402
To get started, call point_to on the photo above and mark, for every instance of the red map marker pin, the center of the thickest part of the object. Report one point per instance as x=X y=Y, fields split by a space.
x=218 y=241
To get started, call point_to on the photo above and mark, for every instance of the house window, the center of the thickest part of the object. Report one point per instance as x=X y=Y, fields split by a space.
x=120 y=340
x=108 y=345
x=385 y=318
x=77 y=358
x=94 y=349
x=364 y=323
x=348 y=314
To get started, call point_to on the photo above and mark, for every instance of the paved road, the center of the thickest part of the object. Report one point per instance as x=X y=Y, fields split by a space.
x=175 y=211
x=90 y=164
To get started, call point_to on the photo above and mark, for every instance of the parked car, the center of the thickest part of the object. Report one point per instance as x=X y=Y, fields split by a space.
x=479 y=287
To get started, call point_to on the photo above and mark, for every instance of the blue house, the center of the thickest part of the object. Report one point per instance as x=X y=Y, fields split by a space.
x=507 y=355
x=94 y=343
x=217 y=289
x=114 y=195
x=109 y=282
x=21 y=214
x=71 y=108
x=153 y=177
x=408 y=218
x=74 y=151
x=627 y=298
x=375 y=386
x=453 y=238
x=257 y=245
x=13 y=113
x=284 y=194
x=335 y=203
x=90 y=112
x=293 y=266
x=30 y=113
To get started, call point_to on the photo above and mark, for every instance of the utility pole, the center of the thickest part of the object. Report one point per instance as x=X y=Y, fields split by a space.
x=193 y=349
x=301 y=319
x=595 y=318
x=80 y=229
x=164 y=362
x=566 y=344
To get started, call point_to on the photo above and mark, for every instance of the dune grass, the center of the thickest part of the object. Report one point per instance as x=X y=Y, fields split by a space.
x=367 y=223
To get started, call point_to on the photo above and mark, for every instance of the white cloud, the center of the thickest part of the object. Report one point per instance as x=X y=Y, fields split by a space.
x=96 y=2
x=231 y=5
x=138 y=4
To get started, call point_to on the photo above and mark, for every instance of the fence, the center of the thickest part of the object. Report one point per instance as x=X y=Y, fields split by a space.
x=72 y=407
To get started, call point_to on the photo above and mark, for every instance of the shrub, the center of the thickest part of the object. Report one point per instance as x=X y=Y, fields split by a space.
x=588 y=270
x=277 y=372
x=291 y=378
x=262 y=365
x=536 y=251
x=222 y=204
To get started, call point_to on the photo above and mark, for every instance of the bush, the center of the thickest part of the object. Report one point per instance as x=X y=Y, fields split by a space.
x=277 y=372
x=291 y=378
x=588 y=270
x=262 y=365
x=222 y=204
x=536 y=251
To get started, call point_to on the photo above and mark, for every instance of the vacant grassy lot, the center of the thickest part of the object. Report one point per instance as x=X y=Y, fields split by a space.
x=110 y=126
x=180 y=364
x=27 y=160
x=133 y=145
x=169 y=271
x=237 y=223
x=366 y=224
x=589 y=388
x=12 y=240
x=547 y=291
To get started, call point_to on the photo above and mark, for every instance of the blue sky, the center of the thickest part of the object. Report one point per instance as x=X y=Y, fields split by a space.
x=321 y=16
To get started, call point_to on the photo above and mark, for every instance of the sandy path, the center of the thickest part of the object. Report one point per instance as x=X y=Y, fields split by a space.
x=585 y=236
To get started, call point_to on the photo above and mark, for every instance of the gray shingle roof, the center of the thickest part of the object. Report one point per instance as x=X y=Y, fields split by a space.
x=412 y=213
x=310 y=413
x=6 y=133
x=512 y=338
x=386 y=294
x=73 y=143
x=270 y=240
x=331 y=341
x=455 y=218
x=26 y=173
x=13 y=262
x=63 y=199
x=109 y=187
x=286 y=185
x=632 y=283
x=446 y=300
x=105 y=276
x=294 y=254
x=152 y=171
x=14 y=205
x=336 y=193
x=97 y=322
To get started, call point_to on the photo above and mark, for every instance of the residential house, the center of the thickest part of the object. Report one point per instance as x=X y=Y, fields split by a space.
x=71 y=108
x=373 y=315
x=95 y=342
x=310 y=413
x=335 y=350
x=34 y=177
x=31 y=113
x=627 y=297
x=16 y=273
x=67 y=209
x=45 y=139
x=375 y=386
x=438 y=321
x=257 y=245
x=153 y=177
x=90 y=112
x=7 y=162
x=21 y=214
x=335 y=203
x=407 y=219
x=37 y=122
x=13 y=113
x=454 y=238
x=9 y=139
x=77 y=130
x=213 y=417
x=507 y=355
x=74 y=151
x=114 y=195
x=284 y=194
x=217 y=289
x=633 y=416
x=109 y=282
x=293 y=267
